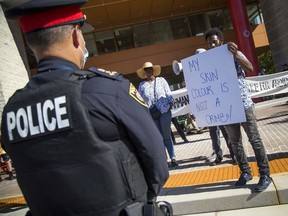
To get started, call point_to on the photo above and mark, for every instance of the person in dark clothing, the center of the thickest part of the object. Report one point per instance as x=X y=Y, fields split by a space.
x=214 y=38
x=217 y=155
x=94 y=152
x=179 y=130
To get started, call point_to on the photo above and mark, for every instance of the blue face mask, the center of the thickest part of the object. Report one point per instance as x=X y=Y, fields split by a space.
x=85 y=54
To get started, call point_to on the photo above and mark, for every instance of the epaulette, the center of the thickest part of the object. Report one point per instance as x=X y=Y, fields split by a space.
x=109 y=74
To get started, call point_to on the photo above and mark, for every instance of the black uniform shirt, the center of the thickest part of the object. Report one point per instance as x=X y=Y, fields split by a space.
x=118 y=113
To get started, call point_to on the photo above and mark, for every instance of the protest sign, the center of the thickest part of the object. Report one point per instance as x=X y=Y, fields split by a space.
x=258 y=86
x=213 y=89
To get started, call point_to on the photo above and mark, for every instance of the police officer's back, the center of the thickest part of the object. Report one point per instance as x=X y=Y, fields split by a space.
x=68 y=163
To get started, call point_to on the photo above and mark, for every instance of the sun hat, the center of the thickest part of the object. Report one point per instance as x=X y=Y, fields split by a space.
x=156 y=70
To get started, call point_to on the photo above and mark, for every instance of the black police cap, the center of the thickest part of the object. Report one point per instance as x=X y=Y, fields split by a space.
x=31 y=6
x=40 y=14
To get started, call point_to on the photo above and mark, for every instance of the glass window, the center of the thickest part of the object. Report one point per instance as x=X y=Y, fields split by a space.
x=216 y=19
x=105 y=42
x=227 y=18
x=180 y=28
x=124 y=38
x=90 y=44
x=197 y=24
x=254 y=15
x=162 y=31
x=143 y=35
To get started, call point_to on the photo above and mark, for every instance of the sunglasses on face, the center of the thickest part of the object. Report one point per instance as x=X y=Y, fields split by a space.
x=148 y=69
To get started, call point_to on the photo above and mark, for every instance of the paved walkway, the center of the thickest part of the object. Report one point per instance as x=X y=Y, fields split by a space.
x=273 y=126
x=192 y=157
x=193 y=169
x=197 y=188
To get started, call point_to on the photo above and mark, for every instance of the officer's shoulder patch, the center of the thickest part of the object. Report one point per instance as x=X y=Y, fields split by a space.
x=105 y=73
x=135 y=94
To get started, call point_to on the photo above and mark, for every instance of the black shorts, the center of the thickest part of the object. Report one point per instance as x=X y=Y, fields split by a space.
x=5 y=157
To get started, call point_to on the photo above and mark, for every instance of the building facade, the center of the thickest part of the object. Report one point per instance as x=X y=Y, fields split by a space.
x=275 y=14
x=128 y=33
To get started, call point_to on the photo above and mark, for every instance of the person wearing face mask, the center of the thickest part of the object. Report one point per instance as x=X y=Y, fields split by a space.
x=86 y=53
x=78 y=149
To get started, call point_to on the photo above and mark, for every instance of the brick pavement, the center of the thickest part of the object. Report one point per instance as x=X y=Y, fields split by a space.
x=273 y=126
x=272 y=119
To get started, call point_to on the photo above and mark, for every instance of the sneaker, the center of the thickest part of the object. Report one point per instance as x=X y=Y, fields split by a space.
x=234 y=160
x=199 y=132
x=186 y=141
x=244 y=178
x=11 y=177
x=212 y=158
x=174 y=163
x=263 y=183
x=218 y=159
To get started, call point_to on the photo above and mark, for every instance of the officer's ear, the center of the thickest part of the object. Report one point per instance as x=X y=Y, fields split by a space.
x=76 y=37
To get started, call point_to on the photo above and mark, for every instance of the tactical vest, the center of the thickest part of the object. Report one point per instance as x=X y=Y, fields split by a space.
x=62 y=167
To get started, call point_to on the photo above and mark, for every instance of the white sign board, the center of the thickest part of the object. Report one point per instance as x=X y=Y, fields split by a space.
x=213 y=89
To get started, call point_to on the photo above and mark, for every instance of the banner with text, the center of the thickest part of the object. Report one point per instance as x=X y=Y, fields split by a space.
x=213 y=88
x=260 y=86
x=180 y=103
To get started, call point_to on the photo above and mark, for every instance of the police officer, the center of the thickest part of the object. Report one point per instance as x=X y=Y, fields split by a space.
x=68 y=164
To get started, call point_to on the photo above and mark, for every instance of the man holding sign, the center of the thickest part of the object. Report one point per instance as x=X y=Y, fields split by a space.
x=214 y=38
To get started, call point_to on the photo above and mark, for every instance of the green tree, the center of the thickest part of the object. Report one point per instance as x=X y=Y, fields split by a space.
x=265 y=61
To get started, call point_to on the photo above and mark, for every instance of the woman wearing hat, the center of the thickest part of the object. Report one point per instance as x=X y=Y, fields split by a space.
x=156 y=91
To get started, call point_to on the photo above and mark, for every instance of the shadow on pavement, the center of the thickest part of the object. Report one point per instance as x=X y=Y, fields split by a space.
x=13 y=208
x=204 y=188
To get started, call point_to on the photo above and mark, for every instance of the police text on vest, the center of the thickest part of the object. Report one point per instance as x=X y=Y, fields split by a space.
x=38 y=118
